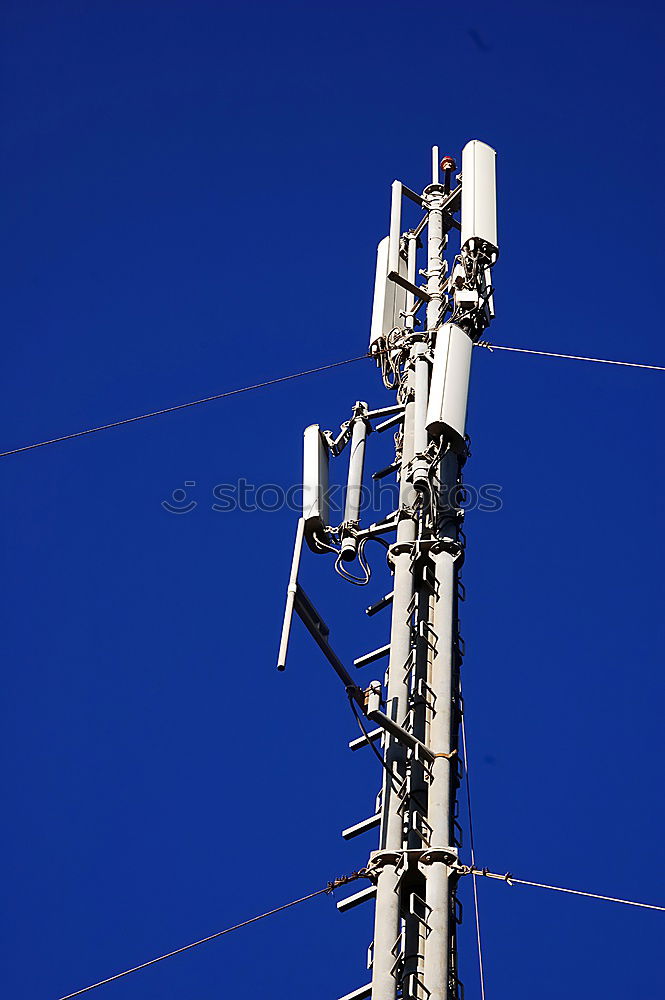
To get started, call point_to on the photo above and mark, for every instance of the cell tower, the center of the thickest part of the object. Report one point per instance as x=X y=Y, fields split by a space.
x=417 y=707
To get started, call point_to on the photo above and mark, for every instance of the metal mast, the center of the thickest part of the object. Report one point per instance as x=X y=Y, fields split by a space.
x=417 y=706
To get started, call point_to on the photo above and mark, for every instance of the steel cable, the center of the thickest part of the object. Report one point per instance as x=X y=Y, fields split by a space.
x=569 y=357
x=287 y=378
x=343 y=880
x=510 y=879
x=182 y=406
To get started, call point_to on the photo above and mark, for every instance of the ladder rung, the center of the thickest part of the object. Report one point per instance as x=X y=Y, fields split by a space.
x=376 y=654
x=362 y=741
x=380 y=605
x=361 y=994
x=382 y=473
x=358 y=897
x=362 y=827
x=390 y=422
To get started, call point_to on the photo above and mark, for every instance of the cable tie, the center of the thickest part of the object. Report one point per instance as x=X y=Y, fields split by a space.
x=345 y=879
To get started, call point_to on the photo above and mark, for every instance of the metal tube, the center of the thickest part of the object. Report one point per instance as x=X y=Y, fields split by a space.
x=411 y=252
x=415 y=930
x=436 y=241
x=385 y=411
x=291 y=592
x=354 y=482
x=421 y=654
x=421 y=377
x=386 y=924
x=438 y=879
x=414 y=936
x=421 y=380
x=387 y=913
x=438 y=957
x=391 y=422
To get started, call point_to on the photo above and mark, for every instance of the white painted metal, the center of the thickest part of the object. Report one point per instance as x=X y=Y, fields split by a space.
x=435 y=164
x=315 y=506
x=291 y=592
x=354 y=483
x=446 y=412
x=356 y=899
x=418 y=706
x=389 y=298
x=479 y=221
x=437 y=944
x=359 y=828
x=362 y=994
x=387 y=913
x=395 y=233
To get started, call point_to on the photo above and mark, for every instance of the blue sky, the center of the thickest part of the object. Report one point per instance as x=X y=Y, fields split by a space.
x=192 y=196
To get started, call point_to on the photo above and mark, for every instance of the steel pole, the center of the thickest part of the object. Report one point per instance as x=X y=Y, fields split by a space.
x=438 y=943
x=387 y=914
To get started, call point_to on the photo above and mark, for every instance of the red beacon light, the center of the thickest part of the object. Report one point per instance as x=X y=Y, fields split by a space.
x=447 y=165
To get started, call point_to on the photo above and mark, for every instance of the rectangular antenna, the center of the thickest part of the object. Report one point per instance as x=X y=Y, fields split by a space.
x=395 y=227
x=446 y=409
x=389 y=298
x=315 y=486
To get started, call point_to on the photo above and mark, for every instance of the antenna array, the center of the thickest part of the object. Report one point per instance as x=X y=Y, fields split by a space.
x=422 y=337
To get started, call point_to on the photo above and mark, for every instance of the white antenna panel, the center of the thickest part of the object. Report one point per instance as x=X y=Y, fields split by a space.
x=479 y=195
x=389 y=298
x=315 y=509
x=446 y=410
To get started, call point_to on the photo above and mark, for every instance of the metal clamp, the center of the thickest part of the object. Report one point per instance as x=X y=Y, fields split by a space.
x=450 y=545
x=413 y=858
x=407 y=739
x=448 y=855
x=417 y=548
x=378 y=861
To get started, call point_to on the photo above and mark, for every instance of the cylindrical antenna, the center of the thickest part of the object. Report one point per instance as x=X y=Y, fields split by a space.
x=479 y=197
x=354 y=483
x=435 y=164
